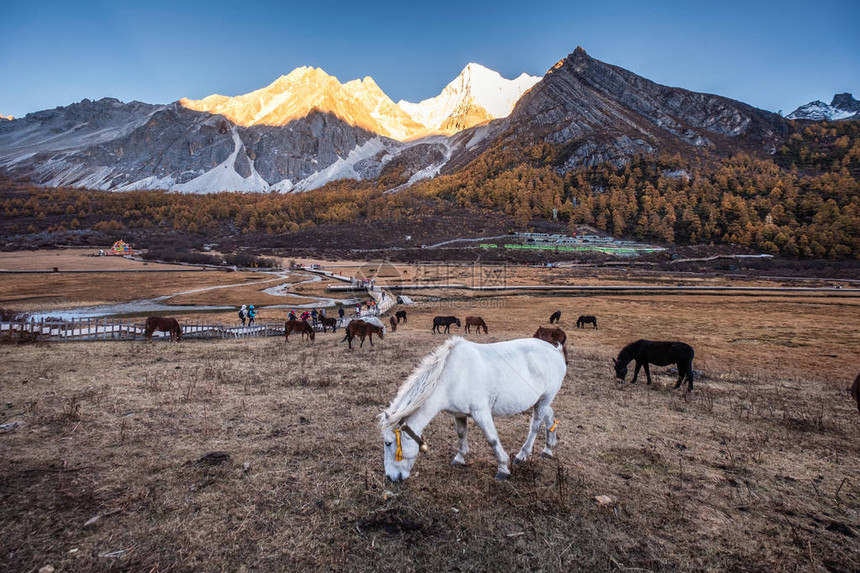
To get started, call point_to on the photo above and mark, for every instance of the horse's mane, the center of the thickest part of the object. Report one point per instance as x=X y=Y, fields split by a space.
x=415 y=391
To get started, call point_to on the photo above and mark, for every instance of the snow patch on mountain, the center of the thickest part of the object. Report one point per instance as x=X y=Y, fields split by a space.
x=348 y=167
x=819 y=111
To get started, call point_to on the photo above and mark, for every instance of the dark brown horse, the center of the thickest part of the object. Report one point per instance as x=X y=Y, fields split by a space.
x=555 y=317
x=586 y=319
x=328 y=322
x=446 y=321
x=855 y=391
x=163 y=324
x=362 y=330
x=393 y=322
x=400 y=314
x=300 y=326
x=553 y=335
x=661 y=353
x=477 y=322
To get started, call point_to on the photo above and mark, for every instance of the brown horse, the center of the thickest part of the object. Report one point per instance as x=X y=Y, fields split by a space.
x=553 y=335
x=163 y=324
x=326 y=322
x=393 y=322
x=362 y=330
x=300 y=326
x=477 y=322
x=855 y=391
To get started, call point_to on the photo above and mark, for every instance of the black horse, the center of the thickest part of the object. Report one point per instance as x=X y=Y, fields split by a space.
x=555 y=317
x=646 y=352
x=400 y=314
x=586 y=319
x=446 y=321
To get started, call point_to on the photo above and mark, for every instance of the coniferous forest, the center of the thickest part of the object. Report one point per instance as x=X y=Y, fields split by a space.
x=803 y=201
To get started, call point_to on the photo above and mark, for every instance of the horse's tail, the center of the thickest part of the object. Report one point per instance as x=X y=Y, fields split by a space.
x=415 y=391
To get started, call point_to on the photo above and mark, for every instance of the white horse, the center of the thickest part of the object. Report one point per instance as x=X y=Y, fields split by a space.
x=478 y=380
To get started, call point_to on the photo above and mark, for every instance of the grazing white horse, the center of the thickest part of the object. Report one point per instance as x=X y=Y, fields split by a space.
x=466 y=379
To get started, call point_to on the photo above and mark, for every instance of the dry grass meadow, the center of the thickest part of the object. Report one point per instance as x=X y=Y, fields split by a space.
x=758 y=469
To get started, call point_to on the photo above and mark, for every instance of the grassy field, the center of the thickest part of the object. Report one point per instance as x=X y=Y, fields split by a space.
x=758 y=469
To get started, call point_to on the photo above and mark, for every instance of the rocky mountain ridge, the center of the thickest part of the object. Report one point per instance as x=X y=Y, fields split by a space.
x=306 y=129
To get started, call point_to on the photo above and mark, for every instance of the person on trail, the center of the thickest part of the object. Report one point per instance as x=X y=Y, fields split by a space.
x=314 y=316
x=322 y=313
x=243 y=314
x=252 y=314
x=340 y=312
x=358 y=309
x=305 y=316
x=292 y=315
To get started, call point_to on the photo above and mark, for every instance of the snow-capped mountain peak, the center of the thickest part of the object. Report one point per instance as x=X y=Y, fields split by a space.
x=477 y=94
x=843 y=106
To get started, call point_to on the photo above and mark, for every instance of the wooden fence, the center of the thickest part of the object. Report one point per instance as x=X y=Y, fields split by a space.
x=88 y=329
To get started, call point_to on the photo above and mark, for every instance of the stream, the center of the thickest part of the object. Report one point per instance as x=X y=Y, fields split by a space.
x=158 y=304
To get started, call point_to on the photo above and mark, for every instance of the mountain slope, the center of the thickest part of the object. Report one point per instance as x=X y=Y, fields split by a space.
x=843 y=106
x=599 y=112
x=173 y=147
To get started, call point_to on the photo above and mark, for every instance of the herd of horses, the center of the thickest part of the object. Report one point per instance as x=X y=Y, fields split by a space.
x=517 y=375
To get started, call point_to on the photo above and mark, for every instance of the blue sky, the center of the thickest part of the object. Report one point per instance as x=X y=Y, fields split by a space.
x=774 y=55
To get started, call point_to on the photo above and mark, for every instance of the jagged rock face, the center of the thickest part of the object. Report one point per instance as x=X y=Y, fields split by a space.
x=618 y=114
x=845 y=102
x=843 y=107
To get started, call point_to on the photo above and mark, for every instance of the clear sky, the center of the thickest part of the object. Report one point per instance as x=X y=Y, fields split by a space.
x=774 y=55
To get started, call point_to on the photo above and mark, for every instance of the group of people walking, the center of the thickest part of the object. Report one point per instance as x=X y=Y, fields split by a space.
x=370 y=304
x=249 y=313
x=315 y=315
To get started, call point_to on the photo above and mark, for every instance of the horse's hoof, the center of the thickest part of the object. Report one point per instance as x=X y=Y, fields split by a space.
x=458 y=464
x=546 y=455
x=502 y=476
x=518 y=461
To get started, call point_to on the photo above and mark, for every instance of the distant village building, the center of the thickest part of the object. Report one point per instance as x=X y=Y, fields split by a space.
x=120 y=248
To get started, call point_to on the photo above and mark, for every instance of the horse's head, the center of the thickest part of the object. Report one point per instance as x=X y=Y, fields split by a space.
x=379 y=332
x=402 y=446
x=620 y=370
x=458 y=322
x=312 y=334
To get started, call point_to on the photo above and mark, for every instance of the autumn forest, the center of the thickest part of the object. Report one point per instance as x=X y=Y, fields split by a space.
x=803 y=201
